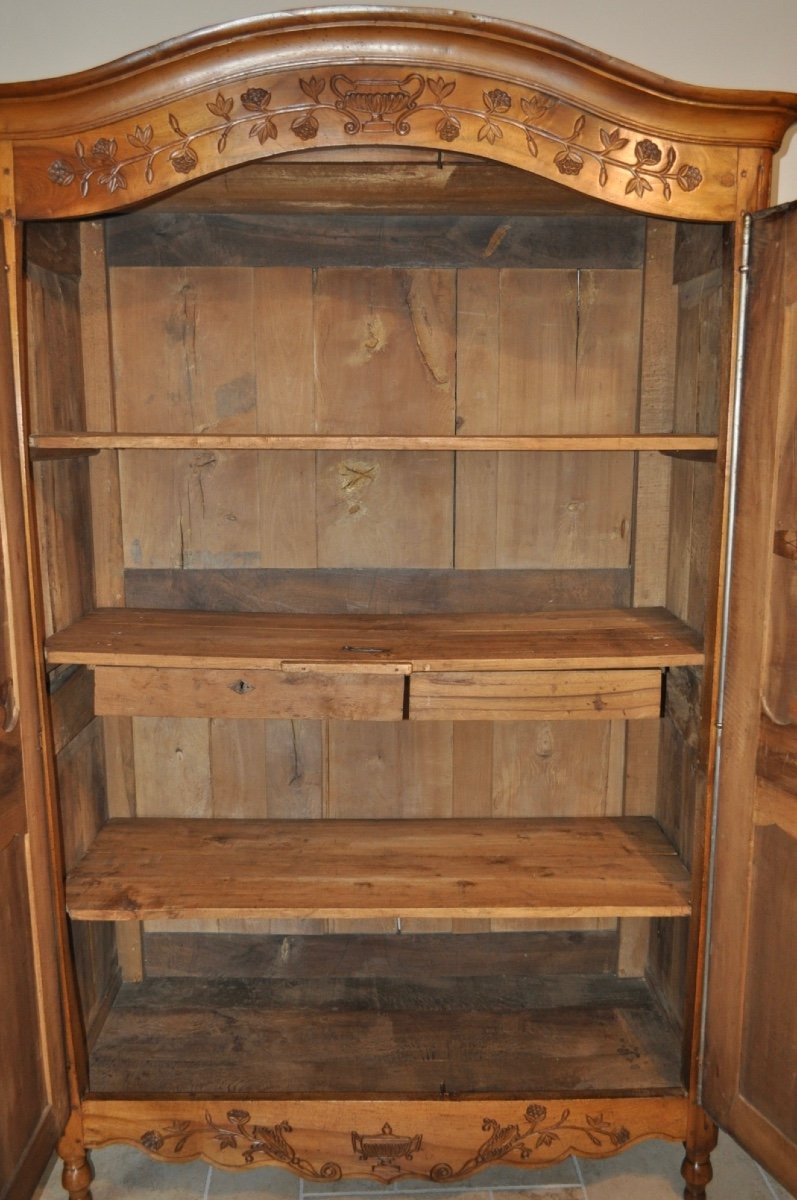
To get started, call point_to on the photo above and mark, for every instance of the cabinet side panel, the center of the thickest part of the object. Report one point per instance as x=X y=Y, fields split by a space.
x=81 y=785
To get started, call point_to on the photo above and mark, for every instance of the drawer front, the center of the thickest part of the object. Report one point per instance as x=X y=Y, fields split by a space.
x=187 y=692
x=534 y=695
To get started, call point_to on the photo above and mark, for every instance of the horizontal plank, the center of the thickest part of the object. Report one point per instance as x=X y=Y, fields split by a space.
x=534 y=695
x=342 y=1037
x=382 y=590
x=607 y=638
x=279 y=694
x=438 y=240
x=89 y=441
x=292 y=184
x=504 y=869
x=413 y=956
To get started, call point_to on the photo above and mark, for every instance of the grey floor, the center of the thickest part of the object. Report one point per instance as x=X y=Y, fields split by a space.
x=649 y=1171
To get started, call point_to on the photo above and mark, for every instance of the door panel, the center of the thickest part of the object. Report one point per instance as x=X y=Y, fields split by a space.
x=750 y=1073
x=33 y=1096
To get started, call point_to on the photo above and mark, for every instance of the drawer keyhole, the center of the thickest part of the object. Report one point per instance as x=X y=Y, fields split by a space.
x=242 y=687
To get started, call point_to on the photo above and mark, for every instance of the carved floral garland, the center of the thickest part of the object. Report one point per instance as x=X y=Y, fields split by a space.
x=382 y=106
x=267 y=1143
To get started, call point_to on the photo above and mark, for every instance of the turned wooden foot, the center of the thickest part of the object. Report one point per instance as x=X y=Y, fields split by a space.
x=701 y=1138
x=76 y=1177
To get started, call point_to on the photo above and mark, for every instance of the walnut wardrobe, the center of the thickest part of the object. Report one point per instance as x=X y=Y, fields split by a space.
x=399 y=540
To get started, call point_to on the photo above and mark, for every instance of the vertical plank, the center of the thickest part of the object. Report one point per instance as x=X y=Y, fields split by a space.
x=284 y=337
x=651 y=527
x=384 y=350
x=472 y=786
x=106 y=527
x=296 y=768
x=203 y=380
x=562 y=768
x=385 y=509
x=608 y=352
x=173 y=779
x=388 y=769
x=284 y=328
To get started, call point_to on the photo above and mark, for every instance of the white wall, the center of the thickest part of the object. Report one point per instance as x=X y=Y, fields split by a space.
x=723 y=43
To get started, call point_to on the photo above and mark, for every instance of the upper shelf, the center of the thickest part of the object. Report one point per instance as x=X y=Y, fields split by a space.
x=607 y=638
x=46 y=445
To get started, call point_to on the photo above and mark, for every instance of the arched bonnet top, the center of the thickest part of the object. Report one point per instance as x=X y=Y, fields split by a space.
x=123 y=133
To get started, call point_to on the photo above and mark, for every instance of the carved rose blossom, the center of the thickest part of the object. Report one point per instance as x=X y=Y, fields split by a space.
x=61 y=173
x=689 y=177
x=647 y=153
x=498 y=101
x=448 y=129
x=568 y=162
x=536 y=1112
x=151 y=1140
x=104 y=151
x=256 y=99
x=305 y=127
x=184 y=160
x=619 y=1137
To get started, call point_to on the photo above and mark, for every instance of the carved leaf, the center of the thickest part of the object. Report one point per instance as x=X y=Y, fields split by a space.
x=114 y=181
x=312 y=87
x=222 y=107
x=538 y=105
x=175 y=124
x=490 y=132
x=531 y=143
x=612 y=140
x=440 y=89
x=141 y=137
x=263 y=130
x=638 y=184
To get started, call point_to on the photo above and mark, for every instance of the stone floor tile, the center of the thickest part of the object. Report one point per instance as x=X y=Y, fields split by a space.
x=125 y=1173
x=257 y=1183
x=736 y=1176
x=498 y=1178
x=778 y=1192
x=653 y=1170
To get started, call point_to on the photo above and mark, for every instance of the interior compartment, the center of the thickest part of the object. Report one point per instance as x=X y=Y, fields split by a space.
x=253 y=400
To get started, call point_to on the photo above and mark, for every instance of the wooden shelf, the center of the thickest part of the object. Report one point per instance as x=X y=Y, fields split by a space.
x=545 y=867
x=596 y=638
x=506 y=1032
x=86 y=443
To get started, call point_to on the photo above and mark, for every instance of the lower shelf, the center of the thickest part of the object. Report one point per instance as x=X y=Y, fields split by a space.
x=371 y=1026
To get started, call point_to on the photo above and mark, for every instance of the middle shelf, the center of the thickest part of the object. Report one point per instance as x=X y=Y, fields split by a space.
x=507 y=868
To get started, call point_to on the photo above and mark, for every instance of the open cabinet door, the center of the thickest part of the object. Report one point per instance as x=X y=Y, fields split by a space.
x=750 y=1063
x=33 y=1092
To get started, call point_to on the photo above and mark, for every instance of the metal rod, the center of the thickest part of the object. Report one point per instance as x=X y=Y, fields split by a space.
x=733 y=472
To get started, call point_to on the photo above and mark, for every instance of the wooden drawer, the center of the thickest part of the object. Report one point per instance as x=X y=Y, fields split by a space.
x=534 y=695
x=297 y=691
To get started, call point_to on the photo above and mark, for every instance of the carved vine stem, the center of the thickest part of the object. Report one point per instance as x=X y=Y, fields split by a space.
x=268 y=1143
x=383 y=106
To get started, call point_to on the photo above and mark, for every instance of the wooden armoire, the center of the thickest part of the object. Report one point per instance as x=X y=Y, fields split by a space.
x=398 y=465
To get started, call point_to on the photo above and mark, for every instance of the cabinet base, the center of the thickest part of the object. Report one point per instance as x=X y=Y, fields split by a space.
x=437 y=1141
